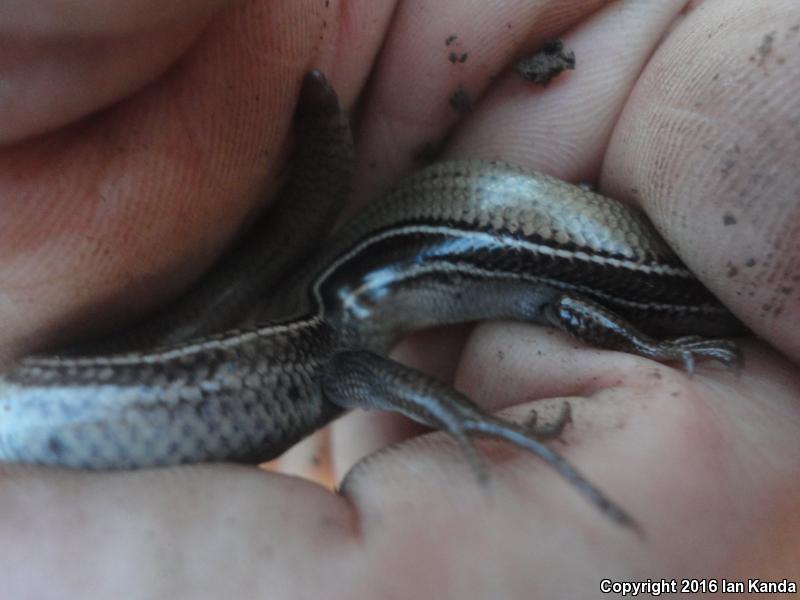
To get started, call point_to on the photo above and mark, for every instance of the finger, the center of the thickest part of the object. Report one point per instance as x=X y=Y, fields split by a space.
x=506 y=363
x=105 y=219
x=311 y=459
x=407 y=107
x=193 y=532
x=563 y=130
x=658 y=444
x=64 y=60
x=77 y=17
x=51 y=79
x=707 y=145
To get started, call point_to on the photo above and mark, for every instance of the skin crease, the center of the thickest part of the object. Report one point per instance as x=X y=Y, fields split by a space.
x=109 y=215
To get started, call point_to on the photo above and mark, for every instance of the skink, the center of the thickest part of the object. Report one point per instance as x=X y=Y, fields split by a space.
x=458 y=241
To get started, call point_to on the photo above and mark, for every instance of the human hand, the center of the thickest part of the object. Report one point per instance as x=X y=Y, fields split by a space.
x=705 y=463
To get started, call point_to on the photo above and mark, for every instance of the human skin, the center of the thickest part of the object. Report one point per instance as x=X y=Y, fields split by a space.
x=134 y=149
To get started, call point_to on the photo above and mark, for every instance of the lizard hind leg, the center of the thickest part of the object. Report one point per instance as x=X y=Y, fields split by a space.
x=590 y=322
x=362 y=379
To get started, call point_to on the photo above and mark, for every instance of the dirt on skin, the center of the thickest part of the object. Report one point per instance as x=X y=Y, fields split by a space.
x=550 y=60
